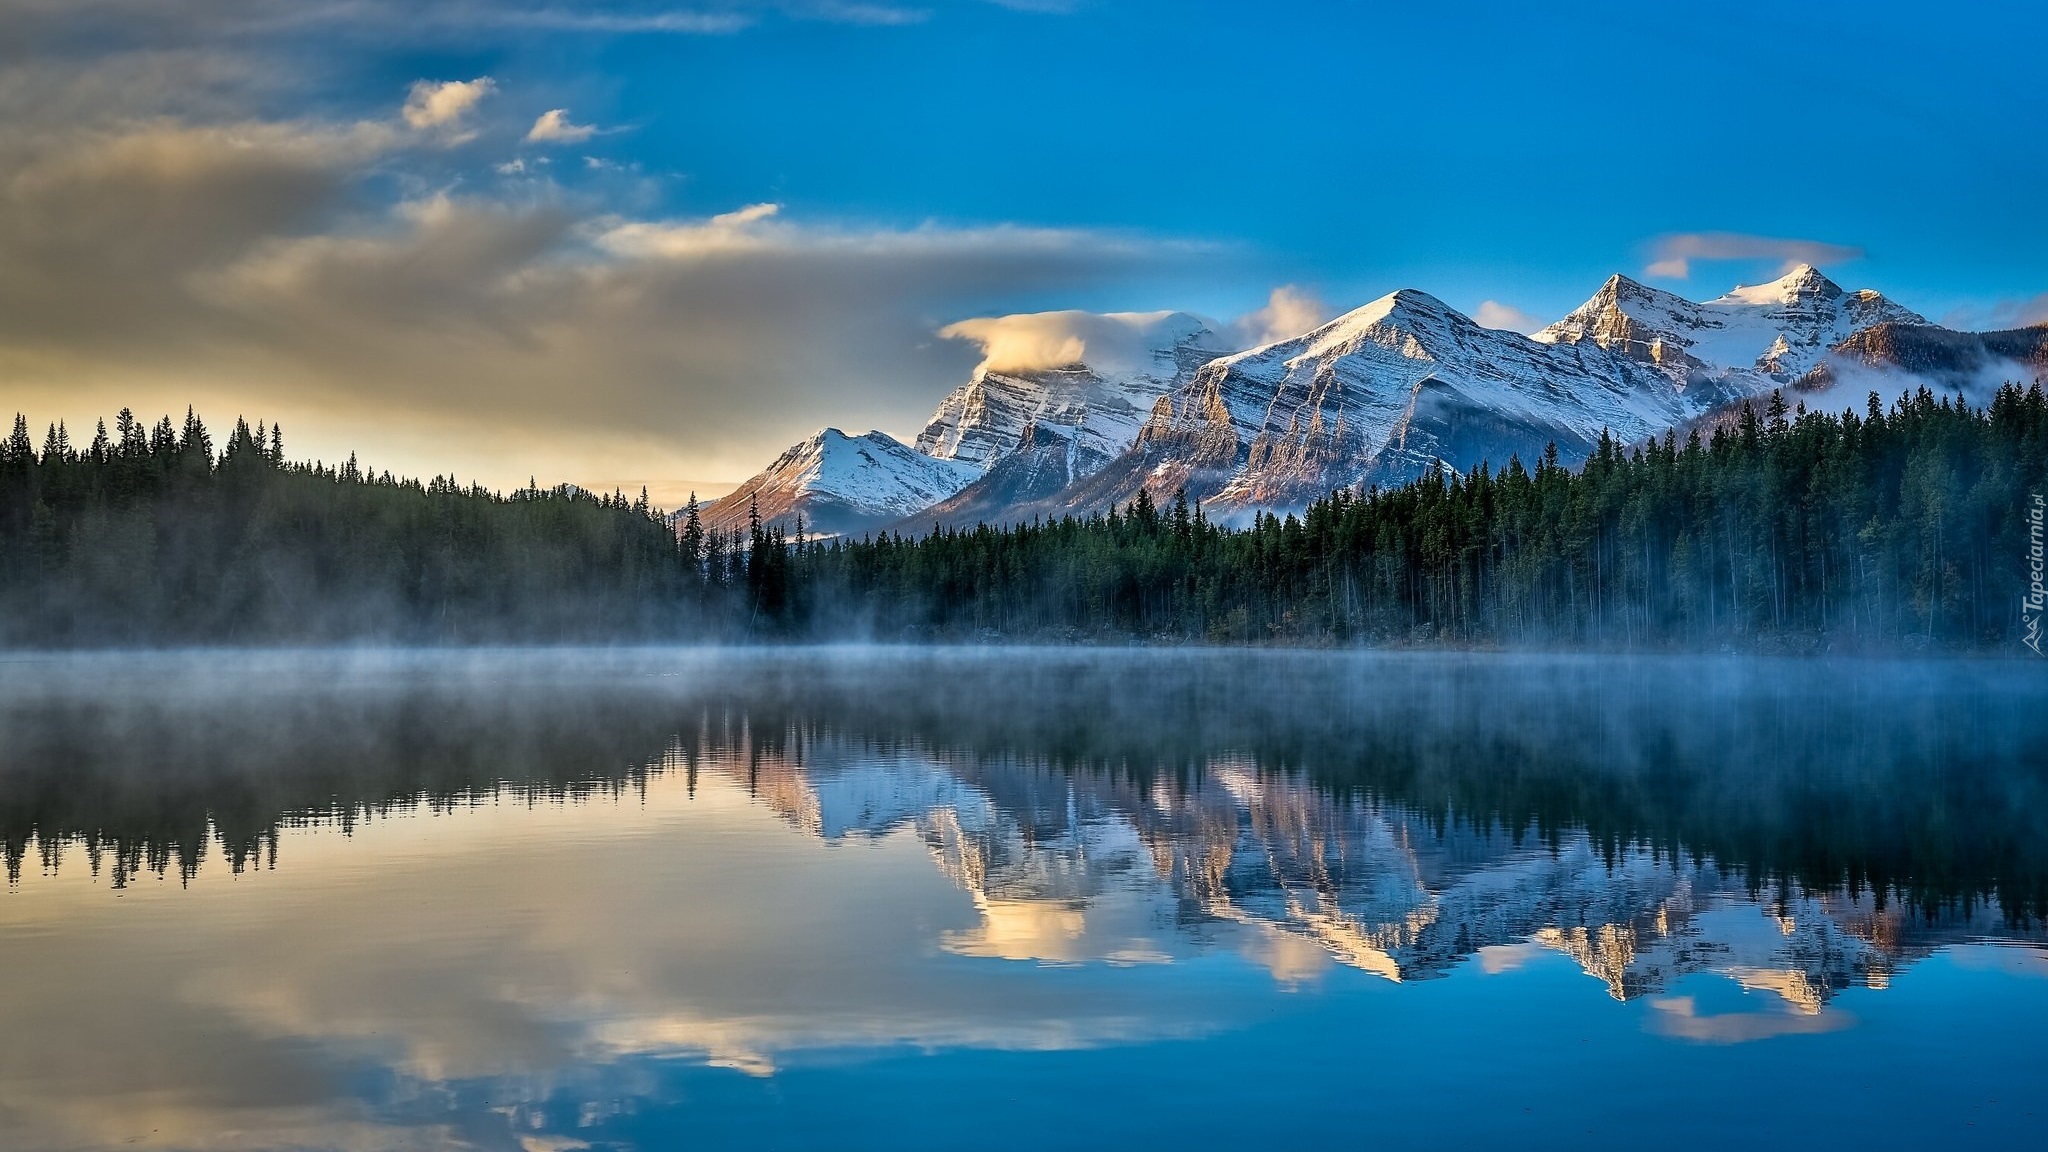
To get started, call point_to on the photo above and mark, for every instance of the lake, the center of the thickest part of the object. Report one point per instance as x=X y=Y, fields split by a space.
x=1003 y=898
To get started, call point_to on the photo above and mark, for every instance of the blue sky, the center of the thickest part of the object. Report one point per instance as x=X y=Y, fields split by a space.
x=341 y=262
x=1476 y=150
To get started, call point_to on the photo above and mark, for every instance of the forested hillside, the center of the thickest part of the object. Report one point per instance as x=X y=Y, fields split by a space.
x=1899 y=528
x=148 y=535
x=1895 y=529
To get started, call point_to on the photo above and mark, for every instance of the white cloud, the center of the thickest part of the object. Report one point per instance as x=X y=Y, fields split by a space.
x=1506 y=317
x=236 y=267
x=554 y=127
x=341 y=24
x=876 y=15
x=101 y=231
x=2000 y=315
x=161 y=245
x=445 y=104
x=1036 y=341
x=563 y=18
x=1496 y=959
x=1025 y=343
x=1121 y=341
x=1289 y=312
x=442 y=22
x=761 y=228
x=735 y=231
x=1671 y=256
x=1679 y=1016
x=2024 y=312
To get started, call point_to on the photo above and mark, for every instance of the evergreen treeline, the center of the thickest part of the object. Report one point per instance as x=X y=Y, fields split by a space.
x=1897 y=528
x=148 y=535
x=1900 y=528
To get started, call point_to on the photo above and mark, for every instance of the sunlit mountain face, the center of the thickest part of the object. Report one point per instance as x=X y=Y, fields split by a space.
x=872 y=897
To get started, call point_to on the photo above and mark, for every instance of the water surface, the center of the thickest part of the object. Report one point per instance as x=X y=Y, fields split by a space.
x=1017 y=899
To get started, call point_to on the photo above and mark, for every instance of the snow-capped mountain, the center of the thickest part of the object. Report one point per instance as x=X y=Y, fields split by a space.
x=1095 y=405
x=842 y=484
x=1073 y=412
x=1073 y=416
x=1382 y=394
x=1778 y=330
x=1407 y=384
x=1042 y=466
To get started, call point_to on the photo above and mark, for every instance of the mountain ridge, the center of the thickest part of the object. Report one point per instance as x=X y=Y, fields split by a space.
x=1395 y=388
x=839 y=483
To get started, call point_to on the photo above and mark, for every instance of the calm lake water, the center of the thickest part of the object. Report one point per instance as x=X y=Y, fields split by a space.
x=1018 y=899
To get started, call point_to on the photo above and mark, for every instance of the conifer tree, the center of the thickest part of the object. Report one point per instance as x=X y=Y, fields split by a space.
x=692 y=534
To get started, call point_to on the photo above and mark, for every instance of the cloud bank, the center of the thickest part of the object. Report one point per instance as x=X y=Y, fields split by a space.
x=445 y=104
x=496 y=324
x=2000 y=315
x=554 y=127
x=1124 y=341
x=1671 y=256
x=1290 y=311
x=435 y=20
x=1038 y=341
x=1506 y=317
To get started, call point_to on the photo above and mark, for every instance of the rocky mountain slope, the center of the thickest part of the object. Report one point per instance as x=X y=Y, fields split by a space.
x=1095 y=405
x=1407 y=384
x=840 y=483
x=1381 y=395
x=1393 y=390
x=1972 y=363
x=1032 y=430
x=1775 y=331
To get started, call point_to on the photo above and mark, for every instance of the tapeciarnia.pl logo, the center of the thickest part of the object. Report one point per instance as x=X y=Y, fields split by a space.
x=2036 y=601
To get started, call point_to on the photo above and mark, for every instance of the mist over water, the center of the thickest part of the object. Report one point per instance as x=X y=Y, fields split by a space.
x=649 y=898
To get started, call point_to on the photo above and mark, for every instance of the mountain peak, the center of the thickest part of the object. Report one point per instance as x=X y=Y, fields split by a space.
x=1400 y=307
x=1415 y=299
x=1090 y=377
x=1802 y=282
x=1401 y=386
x=1408 y=312
x=1620 y=289
x=1626 y=316
x=841 y=483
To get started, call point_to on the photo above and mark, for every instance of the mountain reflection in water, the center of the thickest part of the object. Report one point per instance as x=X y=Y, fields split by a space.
x=558 y=867
x=1085 y=867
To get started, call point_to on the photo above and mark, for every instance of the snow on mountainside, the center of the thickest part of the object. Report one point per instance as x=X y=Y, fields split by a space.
x=1041 y=466
x=842 y=484
x=1407 y=384
x=1381 y=395
x=1778 y=330
x=1071 y=412
x=1121 y=363
x=1071 y=387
